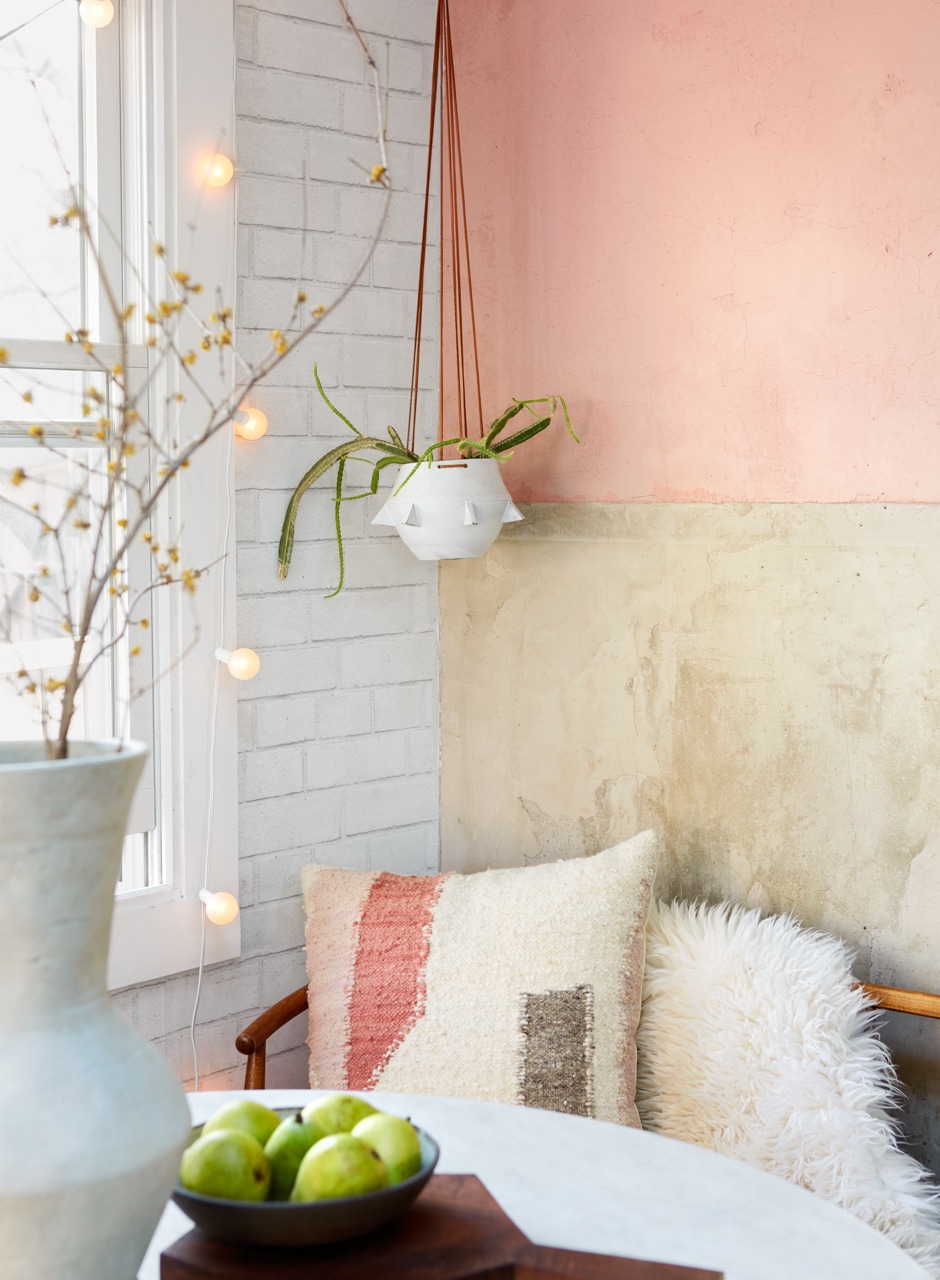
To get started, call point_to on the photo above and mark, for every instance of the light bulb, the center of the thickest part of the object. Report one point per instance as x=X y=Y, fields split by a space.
x=218 y=169
x=96 y=13
x=221 y=908
x=250 y=424
x=242 y=663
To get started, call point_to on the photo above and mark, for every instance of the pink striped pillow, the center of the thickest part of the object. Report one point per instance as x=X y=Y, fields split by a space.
x=511 y=986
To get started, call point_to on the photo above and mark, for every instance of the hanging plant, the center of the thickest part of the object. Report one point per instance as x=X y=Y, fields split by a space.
x=444 y=509
x=429 y=508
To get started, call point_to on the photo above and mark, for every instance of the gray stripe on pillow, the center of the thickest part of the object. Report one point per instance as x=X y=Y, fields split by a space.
x=558 y=1050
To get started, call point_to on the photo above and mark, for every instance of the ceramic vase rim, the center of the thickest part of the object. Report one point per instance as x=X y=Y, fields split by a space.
x=99 y=750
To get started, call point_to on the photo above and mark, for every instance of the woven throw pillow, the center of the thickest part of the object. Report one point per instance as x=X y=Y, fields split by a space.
x=755 y=1041
x=517 y=985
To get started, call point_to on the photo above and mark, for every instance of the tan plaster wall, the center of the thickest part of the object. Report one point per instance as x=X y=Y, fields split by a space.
x=758 y=682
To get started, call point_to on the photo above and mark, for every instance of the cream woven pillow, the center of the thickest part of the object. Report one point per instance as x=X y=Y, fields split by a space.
x=508 y=986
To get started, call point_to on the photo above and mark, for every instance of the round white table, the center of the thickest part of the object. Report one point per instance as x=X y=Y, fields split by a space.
x=581 y=1184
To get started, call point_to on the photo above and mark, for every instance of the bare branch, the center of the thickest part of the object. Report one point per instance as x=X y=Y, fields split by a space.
x=113 y=509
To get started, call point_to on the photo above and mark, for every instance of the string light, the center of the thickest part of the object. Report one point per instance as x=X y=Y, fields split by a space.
x=221 y=908
x=243 y=664
x=250 y=424
x=96 y=13
x=217 y=674
x=218 y=169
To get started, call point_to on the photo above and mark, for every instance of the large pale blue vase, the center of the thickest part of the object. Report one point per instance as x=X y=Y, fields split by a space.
x=92 y=1118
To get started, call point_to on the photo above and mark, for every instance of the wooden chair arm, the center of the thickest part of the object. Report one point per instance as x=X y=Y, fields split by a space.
x=253 y=1039
x=920 y=1002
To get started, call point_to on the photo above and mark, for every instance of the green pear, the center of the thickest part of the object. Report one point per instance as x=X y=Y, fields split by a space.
x=338 y=1166
x=395 y=1140
x=245 y=1114
x=228 y=1164
x=285 y=1149
x=338 y=1112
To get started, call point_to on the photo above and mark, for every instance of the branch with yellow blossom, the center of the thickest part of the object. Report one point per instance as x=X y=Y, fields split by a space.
x=104 y=515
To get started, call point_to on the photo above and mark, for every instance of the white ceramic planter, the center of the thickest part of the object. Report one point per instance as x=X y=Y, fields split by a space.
x=449 y=510
x=92 y=1118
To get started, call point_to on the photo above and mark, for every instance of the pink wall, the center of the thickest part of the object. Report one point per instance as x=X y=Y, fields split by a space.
x=715 y=228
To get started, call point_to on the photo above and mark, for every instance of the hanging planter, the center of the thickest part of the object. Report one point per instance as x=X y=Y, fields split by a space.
x=451 y=508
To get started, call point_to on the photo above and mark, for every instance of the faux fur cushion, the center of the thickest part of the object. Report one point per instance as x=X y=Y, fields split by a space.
x=754 y=1041
x=510 y=986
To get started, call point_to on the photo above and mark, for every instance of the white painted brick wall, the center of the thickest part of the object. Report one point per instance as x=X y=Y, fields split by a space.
x=338 y=737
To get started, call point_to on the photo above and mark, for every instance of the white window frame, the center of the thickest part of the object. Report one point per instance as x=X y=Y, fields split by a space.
x=172 y=107
x=185 y=50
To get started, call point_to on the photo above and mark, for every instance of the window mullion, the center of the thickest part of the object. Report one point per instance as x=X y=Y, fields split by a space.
x=104 y=179
x=37 y=353
x=135 y=673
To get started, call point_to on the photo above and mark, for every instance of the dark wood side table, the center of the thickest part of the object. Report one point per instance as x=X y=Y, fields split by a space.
x=456 y=1231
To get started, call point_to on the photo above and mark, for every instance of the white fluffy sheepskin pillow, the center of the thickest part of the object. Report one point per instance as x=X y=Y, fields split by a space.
x=754 y=1041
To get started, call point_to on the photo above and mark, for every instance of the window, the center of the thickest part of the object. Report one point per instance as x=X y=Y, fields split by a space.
x=130 y=111
x=60 y=83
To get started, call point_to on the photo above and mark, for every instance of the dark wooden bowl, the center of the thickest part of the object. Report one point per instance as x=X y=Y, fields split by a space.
x=276 y=1224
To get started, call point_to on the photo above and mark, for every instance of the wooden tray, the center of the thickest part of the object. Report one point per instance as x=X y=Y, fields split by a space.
x=456 y=1231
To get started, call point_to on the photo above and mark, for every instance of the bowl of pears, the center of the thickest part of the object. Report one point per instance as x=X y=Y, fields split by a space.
x=336 y=1169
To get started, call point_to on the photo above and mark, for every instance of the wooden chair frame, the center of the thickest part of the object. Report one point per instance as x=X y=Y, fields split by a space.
x=253 y=1040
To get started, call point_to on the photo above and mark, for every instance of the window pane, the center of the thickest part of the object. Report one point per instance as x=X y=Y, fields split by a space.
x=33 y=634
x=137 y=871
x=55 y=397
x=41 y=105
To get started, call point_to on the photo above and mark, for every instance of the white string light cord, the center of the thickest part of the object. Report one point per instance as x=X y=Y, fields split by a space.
x=210 y=803
x=221 y=637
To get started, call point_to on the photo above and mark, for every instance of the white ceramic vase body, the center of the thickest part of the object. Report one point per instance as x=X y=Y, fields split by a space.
x=449 y=510
x=92 y=1118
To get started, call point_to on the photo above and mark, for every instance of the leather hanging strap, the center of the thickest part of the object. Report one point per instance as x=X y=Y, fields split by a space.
x=443 y=81
x=419 y=312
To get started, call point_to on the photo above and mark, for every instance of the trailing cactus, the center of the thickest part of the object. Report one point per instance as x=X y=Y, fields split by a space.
x=394 y=451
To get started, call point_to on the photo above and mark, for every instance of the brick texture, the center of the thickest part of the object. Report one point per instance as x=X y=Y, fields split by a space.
x=338 y=738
